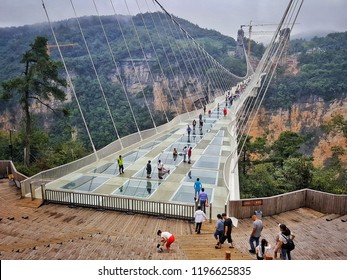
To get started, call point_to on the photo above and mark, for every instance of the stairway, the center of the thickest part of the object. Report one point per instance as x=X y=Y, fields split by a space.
x=201 y=246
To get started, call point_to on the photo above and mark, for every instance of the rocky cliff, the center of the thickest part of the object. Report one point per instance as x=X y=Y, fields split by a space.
x=305 y=117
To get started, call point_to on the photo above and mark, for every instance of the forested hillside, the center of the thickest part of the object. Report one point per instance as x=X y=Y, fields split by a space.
x=323 y=72
x=299 y=138
x=68 y=128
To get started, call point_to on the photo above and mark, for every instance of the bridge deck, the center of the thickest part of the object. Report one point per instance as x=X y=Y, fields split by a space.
x=29 y=232
x=211 y=148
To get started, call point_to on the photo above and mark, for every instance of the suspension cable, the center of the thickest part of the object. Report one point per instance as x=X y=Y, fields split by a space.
x=70 y=82
x=96 y=72
x=117 y=70
x=156 y=55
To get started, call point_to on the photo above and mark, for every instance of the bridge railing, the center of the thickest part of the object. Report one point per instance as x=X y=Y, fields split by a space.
x=7 y=167
x=116 y=203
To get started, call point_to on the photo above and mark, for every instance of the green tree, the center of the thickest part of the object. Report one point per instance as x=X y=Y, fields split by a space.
x=39 y=82
x=287 y=145
x=296 y=173
x=252 y=152
x=259 y=182
x=337 y=124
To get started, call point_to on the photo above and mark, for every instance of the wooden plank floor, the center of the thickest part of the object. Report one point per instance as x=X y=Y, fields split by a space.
x=30 y=232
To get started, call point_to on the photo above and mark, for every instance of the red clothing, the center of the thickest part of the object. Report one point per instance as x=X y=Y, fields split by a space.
x=189 y=152
x=170 y=241
x=225 y=111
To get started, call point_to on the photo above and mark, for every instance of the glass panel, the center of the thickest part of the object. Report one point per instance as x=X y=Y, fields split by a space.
x=217 y=141
x=206 y=176
x=85 y=183
x=137 y=188
x=220 y=133
x=179 y=146
x=149 y=146
x=133 y=156
x=207 y=162
x=185 y=194
x=213 y=150
x=110 y=168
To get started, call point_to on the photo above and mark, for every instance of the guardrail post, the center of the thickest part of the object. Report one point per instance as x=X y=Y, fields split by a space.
x=31 y=192
x=211 y=212
x=43 y=193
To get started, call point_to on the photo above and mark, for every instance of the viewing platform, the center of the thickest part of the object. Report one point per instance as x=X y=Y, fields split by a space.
x=58 y=232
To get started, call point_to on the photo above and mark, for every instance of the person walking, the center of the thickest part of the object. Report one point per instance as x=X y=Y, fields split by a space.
x=189 y=154
x=197 y=188
x=255 y=234
x=167 y=238
x=203 y=200
x=228 y=224
x=120 y=165
x=149 y=169
x=184 y=153
x=219 y=229
x=200 y=217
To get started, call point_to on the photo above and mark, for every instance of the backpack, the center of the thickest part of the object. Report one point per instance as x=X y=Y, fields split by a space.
x=290 y=244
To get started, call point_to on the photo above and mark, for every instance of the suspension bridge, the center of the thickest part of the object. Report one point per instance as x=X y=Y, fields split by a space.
x=186 y=84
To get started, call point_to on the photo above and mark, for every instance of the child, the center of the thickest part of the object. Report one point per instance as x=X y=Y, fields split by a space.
x=262 y=250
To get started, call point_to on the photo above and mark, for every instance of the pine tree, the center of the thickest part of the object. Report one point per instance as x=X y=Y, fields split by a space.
x=40 y=82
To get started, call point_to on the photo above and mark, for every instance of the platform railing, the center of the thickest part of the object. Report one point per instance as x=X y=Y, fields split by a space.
x=117 y=203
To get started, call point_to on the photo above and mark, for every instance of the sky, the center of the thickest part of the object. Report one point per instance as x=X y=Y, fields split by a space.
x=226 y=16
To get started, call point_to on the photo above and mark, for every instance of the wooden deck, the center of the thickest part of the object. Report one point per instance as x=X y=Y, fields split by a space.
x=31 y=231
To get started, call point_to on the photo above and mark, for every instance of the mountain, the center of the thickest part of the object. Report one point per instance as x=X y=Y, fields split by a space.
x=92 y=66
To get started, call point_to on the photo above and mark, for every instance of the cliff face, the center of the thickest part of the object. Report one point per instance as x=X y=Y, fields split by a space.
x=304 y=117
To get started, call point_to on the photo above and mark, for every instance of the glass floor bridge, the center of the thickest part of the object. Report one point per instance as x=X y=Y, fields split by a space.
x=211 y=146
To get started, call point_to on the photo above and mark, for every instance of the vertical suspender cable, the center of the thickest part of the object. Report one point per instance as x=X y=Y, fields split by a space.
x=70 y=82
x=96 y=72
x=156 y=55
x=133 y=65
x=145 y=57
x=162 y=45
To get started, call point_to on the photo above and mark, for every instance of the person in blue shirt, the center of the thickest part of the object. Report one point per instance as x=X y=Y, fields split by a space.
x=197 y=188
x=203 y=199
x=219 y=229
